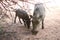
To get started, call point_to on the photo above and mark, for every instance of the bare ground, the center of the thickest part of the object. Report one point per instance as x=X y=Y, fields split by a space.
x=51 y=29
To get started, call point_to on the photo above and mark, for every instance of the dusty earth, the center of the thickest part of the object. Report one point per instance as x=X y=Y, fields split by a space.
x=51 y=29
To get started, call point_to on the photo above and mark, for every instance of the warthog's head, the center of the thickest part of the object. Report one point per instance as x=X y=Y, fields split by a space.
x=35 y=22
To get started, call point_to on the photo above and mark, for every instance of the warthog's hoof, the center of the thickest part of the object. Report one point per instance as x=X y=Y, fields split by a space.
x=42 y=27
x=14 y=22
x=21 y=23
x=34 y=32
x=28 y=27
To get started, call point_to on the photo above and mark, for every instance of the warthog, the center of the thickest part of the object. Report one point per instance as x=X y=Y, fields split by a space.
x=21 y=14
x=38 y=16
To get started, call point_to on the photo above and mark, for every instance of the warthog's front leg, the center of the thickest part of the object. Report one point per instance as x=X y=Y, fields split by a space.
x=15 y=19
x=20 y=20
x=42 y=23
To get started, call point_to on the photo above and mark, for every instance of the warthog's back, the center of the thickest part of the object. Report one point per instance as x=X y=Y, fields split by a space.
x=39 y=10
x=22 y=14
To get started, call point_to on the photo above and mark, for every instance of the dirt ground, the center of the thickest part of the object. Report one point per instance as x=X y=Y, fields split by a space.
x=51 y=29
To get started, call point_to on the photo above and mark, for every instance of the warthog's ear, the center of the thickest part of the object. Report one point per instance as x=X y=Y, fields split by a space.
x=31 y=16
